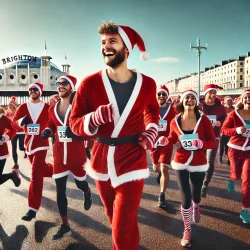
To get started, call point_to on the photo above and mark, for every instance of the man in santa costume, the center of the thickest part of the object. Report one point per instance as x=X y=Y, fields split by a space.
x=216 y=112
x=32 y=116
x=119 y=107
x=7 y=132
x=160 y=154
x=68 y=151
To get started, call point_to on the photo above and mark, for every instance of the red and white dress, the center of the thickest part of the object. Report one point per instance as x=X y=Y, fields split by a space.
x=192 y=161
x=69 y=154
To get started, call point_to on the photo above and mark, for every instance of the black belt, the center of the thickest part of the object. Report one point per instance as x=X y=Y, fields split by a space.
x=118 y=141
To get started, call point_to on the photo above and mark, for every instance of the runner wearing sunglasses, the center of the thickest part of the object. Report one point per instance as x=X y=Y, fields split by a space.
x=32 y=116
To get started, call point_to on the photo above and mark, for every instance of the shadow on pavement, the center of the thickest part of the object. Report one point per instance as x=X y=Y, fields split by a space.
x=14 y=241
x=41 y=230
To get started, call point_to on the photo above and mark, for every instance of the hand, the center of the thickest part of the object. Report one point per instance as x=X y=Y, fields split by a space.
x=147 y=138
x=218 y=124
x=46 y=133
x=26 y=120
x=4 y=139
x=104 y=114
x=241 y=130
x=163 y=141
x=198 y=143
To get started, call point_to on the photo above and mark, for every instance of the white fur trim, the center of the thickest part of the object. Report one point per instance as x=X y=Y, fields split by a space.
x=228 y=98
x=166 y=113
x=144 y=56
x=60 y=175
x=20 y=133
x=238 y=131
x=241 y=99
x=19 y=121
x=1 y=115
x=33 y=209
x=189 y=93
x=125 y=38
x=37 y=86
x=181 y=166
x=95 y=175
x=6 y=137
x=69 y=80
x=86 y=125
x=205 y=92
x=82 y=178
x=152 y=125
x=4 y=156
x=242 y=148
x=162 y=90
x=36 y=149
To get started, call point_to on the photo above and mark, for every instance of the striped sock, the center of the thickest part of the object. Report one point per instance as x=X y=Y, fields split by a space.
x=187 y=217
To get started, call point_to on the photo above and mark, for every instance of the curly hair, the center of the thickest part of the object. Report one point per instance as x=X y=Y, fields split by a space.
x=108 y=27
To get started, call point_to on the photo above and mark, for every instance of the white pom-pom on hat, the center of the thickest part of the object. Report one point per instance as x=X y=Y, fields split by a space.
x=144 y=56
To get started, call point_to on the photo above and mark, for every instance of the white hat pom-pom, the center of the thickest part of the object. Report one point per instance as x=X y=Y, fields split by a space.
x=144 y=56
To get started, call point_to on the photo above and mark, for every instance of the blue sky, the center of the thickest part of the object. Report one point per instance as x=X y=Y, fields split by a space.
x=167 y=27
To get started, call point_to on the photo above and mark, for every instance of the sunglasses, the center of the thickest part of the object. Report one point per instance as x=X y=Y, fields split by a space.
x=64 y=84
x=33 y=89
x=163 y=94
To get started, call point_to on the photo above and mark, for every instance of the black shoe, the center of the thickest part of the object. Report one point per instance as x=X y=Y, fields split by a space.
x=29 y=215
x=87 y=199
x=64 y=230
x=162 y=200
x=16 y=178
x=158 y=178
x=204 y=192
x=220 y=160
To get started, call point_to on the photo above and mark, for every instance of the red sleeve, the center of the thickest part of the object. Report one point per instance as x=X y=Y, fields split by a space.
x=209 y=142
x=81 y=112
x=51 y=125
x=173 y=137
x=152 y=111
x=17 y=119
x=228 y=127
x=10 y=131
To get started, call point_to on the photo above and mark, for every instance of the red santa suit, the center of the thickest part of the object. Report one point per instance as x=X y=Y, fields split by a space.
x=238 y=153
x=7 y=131
x=163 y=154
x=36 y=149
x=192 y=161
x=64 y=153
x=117 y=167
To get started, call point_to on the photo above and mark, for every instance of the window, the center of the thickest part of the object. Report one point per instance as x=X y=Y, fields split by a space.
x=11 y=77
x=1 y=77
x=241 y=85
x=241 y=77
x=234 y=77
x=241 y=63
x=247 y=72
x=35 y=76
x=23 y=76
x=241 y=69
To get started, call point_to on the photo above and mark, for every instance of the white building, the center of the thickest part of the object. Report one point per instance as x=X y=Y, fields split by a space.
x=247 y=70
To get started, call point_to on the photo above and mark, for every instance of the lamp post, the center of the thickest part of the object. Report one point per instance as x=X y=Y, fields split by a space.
x=198 y=50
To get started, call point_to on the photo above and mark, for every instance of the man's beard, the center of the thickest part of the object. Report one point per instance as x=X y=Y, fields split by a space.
x=65 y=94
x=35 y=97
x=118 y=58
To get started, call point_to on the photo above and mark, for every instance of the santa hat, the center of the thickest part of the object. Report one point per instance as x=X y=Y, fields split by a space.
x=13 y=101
x=163 y=88
x=37 y=85
x=228 y=98
x=131 y=38
x=71 y=79
x=190 y=92
x=247 y=91
x=209 y=87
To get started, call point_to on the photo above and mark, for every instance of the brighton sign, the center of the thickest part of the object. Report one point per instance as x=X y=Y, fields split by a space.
x=18 y=58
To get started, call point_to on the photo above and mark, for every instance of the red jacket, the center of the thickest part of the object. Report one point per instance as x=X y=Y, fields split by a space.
x=218 y=110
x=193 y=161
x=33 y=143
x=237 y=141
x=7 y=131
x=10 y=115
x=126 y=162
x=67 y=153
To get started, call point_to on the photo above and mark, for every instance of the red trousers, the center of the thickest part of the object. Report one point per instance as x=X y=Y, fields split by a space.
x=121 y=206
x=240 y=168
x=40 y=169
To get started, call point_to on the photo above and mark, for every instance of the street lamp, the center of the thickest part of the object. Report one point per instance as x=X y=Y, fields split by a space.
x=198 y=50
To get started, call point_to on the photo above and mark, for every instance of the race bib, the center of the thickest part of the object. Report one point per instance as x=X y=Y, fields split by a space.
x=33 y=129
x=162 y=126
x=187 y=141
x=61 y=130
x=212 y=118
x=247 y=133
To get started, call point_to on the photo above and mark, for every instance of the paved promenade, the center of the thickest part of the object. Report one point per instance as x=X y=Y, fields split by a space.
x=220 y=227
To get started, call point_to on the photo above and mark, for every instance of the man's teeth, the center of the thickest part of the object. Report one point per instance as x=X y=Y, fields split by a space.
x=61 y=90
x=109 y=53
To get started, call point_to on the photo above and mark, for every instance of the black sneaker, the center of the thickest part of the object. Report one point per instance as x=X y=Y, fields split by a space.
x=64 y=230
x=29 y=215
x=162 y=200
x=158 y=178
x=204 y=192
x=87 y=199
x=16 y=178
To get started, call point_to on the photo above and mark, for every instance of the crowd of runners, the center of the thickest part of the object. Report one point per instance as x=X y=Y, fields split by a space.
x=117 y=114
